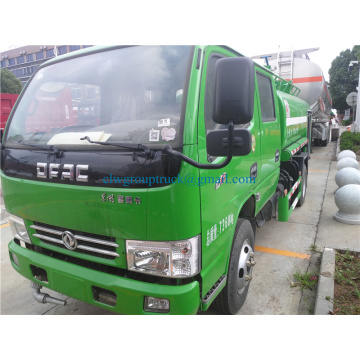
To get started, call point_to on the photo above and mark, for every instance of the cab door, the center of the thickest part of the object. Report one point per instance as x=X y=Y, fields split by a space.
x=221 y=202
x=270 y=140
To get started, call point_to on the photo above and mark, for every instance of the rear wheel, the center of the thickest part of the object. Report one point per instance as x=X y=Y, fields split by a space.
x=233 y=296
x=303 y=189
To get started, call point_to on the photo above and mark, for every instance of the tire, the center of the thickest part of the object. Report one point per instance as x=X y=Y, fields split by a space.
x=233 y=295
x=303 y=190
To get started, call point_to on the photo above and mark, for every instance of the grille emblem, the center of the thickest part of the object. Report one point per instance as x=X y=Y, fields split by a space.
x=69 y=240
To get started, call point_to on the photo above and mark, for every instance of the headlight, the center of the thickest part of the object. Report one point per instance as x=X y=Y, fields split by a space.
x=178 y=259
x=18 y=228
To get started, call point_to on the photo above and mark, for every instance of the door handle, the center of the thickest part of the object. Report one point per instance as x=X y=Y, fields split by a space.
x=277 y=155
x=253 y=170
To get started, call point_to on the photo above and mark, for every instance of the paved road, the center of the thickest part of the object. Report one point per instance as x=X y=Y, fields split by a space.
x=281 y=250
x=270 y=291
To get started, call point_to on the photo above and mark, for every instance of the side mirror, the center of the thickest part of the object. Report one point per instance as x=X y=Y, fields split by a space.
x=218 y=142
x=234 y=83
x=233 y=103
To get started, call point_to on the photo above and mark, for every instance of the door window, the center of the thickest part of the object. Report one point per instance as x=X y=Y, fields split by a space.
x=266 y=98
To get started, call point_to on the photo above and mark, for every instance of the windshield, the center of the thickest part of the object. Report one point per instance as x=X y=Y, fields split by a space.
x=129 y=95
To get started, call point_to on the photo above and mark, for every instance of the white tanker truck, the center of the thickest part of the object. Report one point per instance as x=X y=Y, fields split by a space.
x=295 y=66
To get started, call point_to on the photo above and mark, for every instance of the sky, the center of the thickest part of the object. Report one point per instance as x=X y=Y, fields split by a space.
x=250 y=27
x=322 y=57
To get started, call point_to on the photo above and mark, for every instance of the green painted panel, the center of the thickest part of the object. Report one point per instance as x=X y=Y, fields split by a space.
x=77 y=207
x=220 y=205
x=293 y=118
x=173 y=212
x=76 y=281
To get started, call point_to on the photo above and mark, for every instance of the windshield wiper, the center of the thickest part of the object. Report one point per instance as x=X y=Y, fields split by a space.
x=52 y=149
x=149 y=154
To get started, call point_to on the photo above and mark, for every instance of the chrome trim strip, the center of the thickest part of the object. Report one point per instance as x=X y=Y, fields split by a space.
x=77 y=237
x=48 y=238
x=55 y=232
x=97 y=241
x=100 y=251
x=81 y=247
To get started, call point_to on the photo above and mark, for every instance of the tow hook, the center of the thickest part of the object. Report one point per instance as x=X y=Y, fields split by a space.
x=44 y=298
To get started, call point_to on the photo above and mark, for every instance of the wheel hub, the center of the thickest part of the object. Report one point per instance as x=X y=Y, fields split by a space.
x=245 y=266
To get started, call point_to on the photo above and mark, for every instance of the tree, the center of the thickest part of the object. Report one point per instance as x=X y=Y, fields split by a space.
x=343 y=80
x=357 y=52
x=9 y=83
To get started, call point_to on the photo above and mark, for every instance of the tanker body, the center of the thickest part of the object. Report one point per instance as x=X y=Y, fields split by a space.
x=293 y=119
x=296 y=67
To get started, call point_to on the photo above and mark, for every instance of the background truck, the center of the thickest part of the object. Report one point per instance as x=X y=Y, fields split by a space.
x=153 y=207
x=296 y=67
x=7 y=102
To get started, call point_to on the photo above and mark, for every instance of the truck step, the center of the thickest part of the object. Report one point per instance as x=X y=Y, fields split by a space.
x=210 y=294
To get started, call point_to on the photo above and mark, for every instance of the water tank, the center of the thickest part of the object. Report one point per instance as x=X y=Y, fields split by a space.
x=309 y=78
x=293 y=118
x=304 y=74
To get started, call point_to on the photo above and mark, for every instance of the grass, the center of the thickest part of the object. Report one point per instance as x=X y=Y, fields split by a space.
x=305 y=280
x=314 y=248
x=350 y=141
x=347 y=284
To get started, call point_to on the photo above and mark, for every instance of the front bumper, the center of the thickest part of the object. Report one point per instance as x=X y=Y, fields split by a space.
x=77 y=282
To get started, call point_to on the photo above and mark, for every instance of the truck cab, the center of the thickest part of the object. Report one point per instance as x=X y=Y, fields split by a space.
x=150 y=207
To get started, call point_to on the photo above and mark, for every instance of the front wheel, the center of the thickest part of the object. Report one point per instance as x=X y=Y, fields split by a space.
x=233 y=296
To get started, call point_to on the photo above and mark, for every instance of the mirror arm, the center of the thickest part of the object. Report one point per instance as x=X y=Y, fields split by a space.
x=168 y=150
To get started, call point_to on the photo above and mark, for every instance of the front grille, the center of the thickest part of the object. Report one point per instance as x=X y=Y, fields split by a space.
x=91 y=244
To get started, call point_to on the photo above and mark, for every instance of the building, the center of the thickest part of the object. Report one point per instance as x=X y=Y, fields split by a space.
x=24 y=61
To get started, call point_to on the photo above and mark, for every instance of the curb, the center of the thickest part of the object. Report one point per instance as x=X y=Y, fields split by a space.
x=326 y=283
x=327 y=269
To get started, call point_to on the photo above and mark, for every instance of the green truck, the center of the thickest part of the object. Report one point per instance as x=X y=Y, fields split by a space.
x=153 y=207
